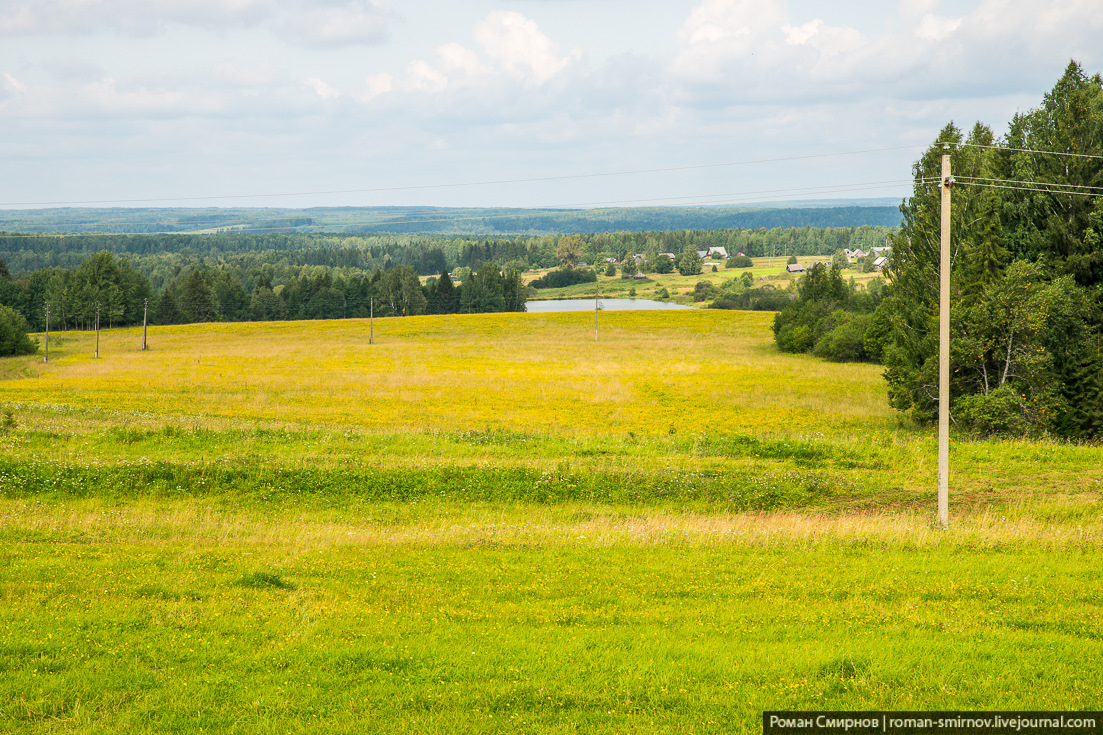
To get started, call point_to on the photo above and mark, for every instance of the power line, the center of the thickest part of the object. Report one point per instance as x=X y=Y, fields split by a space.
x=734 y=198
x=689 y=200
x=1027 y=150
x=1038 y=189
x=960 y=179
x=465 y=184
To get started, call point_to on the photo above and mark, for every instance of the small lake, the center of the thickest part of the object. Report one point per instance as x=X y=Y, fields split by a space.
x=537 y=307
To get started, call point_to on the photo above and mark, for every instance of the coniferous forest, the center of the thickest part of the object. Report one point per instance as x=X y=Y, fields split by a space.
x=1026 y=281
x=276 y=276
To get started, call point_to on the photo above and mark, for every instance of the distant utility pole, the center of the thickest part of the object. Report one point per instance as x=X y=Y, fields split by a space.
x=97 y=329
x=145 y=319
x=47 y=359
x=371 y=322
x=944 y=351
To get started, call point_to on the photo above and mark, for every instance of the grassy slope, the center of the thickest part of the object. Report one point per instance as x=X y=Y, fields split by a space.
x=680 y=288
x=493 y=523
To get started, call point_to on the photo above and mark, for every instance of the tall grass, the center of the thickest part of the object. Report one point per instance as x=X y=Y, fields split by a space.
x=493 y=524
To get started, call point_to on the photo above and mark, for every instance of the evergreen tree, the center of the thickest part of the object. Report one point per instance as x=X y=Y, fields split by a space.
x=446 y=299
x=13 y=334
x=196 y=299
x=689 y=262
x=166 y=310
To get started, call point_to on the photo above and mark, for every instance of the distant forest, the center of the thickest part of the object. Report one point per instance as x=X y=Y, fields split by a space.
x=447 y=220
x=254 y=276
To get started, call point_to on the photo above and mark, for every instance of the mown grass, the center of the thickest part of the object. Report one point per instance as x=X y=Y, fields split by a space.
x=494 y=524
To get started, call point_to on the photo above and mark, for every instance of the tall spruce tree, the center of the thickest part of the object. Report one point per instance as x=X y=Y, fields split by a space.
x=1027 y=279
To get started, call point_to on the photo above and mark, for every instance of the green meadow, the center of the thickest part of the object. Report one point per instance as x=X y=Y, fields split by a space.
x=495 y=523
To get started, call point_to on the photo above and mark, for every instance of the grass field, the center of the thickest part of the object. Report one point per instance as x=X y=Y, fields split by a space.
x=680 y=288
x=495 y=524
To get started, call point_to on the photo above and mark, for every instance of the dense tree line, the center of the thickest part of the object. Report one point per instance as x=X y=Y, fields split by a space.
x=440 y=220
x=102 y=282
x=1027 y=277
x=203 y=294
x=281 y=256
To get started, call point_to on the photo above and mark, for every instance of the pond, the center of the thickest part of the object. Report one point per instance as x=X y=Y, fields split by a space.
x=536 y=307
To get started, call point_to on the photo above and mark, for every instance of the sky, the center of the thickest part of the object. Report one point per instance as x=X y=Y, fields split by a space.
x=534 y=103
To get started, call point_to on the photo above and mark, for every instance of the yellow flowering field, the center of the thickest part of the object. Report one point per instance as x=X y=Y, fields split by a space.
x=649 y=373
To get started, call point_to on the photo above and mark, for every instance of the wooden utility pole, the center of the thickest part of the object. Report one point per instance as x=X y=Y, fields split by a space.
x=371 y=322
x=944 y=351
x=97 y=329
x=47 y=359
x=145 y=319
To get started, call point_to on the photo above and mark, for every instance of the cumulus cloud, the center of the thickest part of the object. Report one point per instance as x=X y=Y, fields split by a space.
x=376 y=85
x=143 y=16
x=518 y=46
x=341 y=25
x=755 y=51
x=305 y=23
x=13 y=85
x=512 y=52
x=322 y=89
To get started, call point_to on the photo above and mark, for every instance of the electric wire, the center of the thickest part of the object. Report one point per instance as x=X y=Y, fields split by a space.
x=497 y=182
x=1026 y=150
x=589 y=207
x=961 y=179
x=1038 y=189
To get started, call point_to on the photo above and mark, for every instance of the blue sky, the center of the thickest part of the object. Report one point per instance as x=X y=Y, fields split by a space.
x=176 y=100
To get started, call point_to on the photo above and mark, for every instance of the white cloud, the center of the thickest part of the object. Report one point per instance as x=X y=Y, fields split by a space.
x=354 y=23
x=518 y=46
x=13 y=85
x=310 y=23
x=800 y=35
x=936 y=27
x=376 y=85
x=421 y=77
x=721 y=20
x=142 y=16
x=454 y=58
x=322 y=89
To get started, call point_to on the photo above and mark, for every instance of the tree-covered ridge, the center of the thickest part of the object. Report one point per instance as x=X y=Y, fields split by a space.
x=161 y=257
x=1027 y=275
x=446 y=220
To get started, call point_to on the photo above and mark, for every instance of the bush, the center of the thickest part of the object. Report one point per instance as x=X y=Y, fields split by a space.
x=766 y=298
x=13 y=334
x=794 y=338
x=845 y=342
x=561 y=278
x=739 y=261
x=705 y=290
x=1002 y=411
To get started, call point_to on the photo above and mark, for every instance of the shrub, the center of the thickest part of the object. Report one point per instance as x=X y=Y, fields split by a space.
x=561 y=278
x=739 y=261
x=766 y=298
x=705 y=290
x=845 y=342
x=1003 y=411
x=13 y=334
